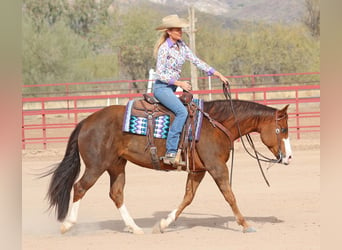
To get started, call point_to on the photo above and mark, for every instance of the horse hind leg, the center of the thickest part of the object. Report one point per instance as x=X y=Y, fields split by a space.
x=192 y=183
x=80 y=188
x=117 y=183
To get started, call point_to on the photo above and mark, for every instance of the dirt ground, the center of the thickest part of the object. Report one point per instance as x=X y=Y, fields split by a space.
x=285 y=215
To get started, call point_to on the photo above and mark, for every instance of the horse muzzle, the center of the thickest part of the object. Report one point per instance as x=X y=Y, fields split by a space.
x=284 y=159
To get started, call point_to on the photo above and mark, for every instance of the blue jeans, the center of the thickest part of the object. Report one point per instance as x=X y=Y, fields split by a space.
x=165 y=94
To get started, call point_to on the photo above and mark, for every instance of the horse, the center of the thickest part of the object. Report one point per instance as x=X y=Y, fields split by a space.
x=104 y=147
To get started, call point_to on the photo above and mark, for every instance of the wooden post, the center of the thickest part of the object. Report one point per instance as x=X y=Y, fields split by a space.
x=192 y=45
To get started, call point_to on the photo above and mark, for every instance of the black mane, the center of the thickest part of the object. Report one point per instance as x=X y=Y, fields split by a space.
x=220 y=110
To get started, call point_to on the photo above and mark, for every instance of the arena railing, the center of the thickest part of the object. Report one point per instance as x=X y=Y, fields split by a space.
x=50 y=120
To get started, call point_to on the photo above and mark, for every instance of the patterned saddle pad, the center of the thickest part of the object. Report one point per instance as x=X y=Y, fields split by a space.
x=138 y=125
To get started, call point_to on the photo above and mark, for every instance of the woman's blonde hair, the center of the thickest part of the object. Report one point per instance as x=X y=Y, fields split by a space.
x=159 y=42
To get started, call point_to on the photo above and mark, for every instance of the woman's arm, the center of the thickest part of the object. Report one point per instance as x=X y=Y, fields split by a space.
x=203 y=66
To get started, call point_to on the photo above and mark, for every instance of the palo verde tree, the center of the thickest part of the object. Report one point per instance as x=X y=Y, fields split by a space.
x=44 y=12
x=84 y=15
x=258 y=49
x=52 y=55
x=136 y=36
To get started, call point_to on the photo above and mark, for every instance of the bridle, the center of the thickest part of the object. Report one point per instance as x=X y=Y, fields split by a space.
x=279 y=130
x=257 y=155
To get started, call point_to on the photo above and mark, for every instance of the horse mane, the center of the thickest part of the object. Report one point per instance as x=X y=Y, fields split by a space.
x=220 y=110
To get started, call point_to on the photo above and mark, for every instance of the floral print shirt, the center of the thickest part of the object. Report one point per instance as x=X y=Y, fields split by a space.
x=171 y=59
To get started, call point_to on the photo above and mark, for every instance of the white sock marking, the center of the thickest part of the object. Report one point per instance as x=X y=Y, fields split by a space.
x=72 y=218
x=74 y=211
x=129 y=222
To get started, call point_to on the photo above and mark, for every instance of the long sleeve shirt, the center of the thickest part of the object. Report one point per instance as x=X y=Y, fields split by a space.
x=172 y=56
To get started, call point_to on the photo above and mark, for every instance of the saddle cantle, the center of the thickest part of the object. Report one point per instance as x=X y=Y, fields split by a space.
x=142 y=108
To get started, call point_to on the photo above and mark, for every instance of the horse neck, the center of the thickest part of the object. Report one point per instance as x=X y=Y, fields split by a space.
x=245 y=122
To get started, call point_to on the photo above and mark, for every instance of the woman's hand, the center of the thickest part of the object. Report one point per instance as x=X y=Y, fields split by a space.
x=222 y=78
x=185 y=85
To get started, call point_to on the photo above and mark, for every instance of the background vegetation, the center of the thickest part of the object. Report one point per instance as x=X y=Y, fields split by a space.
x=87 y=40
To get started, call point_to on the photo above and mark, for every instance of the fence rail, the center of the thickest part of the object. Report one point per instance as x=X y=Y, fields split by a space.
x=47 y=120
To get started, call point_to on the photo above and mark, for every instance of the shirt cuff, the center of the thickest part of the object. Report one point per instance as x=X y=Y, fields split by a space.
x=172 y=81
x=211 y=71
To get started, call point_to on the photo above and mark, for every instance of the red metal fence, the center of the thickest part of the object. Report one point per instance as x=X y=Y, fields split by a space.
x=49 y=120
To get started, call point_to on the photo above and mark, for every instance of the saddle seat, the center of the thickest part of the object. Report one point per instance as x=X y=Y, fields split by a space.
x=149 y=106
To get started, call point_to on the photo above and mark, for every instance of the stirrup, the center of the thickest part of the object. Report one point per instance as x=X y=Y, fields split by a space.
x=174 y=159
x=169 y=158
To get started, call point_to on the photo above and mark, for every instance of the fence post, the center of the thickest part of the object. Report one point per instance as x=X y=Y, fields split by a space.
x=209 y=83
x=297 y=115
x=75 y=112
x=67 y=94
x=150 y=80
x=265 y=98
x=44 y=124
x=23 y=146
x=253 y=85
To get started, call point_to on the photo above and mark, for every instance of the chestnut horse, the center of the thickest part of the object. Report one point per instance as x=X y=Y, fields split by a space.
x=104 y=147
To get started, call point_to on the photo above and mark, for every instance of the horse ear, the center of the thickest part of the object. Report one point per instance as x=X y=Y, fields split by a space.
x=284 y=110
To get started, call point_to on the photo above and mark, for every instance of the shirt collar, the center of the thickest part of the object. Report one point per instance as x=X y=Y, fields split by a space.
x=170 y=43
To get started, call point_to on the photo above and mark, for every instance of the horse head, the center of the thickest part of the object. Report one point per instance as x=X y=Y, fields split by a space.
x=275 y=136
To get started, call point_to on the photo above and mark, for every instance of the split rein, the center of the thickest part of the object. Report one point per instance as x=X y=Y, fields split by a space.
x=257 y=155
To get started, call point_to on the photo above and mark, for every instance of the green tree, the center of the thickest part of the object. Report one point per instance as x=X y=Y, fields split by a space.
x=52 y=55
x=53 y=52
x=84 y=15
x=136 y=36
x=44 y=12
x=258 y=49
x=279 y=48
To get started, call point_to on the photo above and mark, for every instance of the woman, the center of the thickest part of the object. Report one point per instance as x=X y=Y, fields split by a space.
x=171 y=53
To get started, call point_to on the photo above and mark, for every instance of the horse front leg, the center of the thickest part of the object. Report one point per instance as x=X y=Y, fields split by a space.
x=192 y=183
x=220 y=175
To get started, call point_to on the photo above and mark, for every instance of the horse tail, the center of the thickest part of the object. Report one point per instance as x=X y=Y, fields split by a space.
x=64 y=176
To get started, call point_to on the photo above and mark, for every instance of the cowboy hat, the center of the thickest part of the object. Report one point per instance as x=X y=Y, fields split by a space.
x=173 y=21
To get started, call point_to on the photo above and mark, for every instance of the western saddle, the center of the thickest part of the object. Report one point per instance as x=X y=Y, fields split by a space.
x=150 y=108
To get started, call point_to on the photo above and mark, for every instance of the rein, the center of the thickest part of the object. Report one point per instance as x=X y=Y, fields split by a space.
x=257 y=154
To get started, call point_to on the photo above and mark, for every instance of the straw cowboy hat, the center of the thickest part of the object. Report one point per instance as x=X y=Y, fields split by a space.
x=173 y=21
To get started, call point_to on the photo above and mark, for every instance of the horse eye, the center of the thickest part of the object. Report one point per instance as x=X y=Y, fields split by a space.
x=282 y=130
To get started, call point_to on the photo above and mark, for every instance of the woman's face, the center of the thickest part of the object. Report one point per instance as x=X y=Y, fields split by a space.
x=175 y=34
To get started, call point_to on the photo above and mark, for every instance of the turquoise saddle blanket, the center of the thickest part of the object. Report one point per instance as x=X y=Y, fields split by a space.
x=138 y=125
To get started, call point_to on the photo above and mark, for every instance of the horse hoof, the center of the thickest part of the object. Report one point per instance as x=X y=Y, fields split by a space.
x=138 y=231
x=249 y=230
x=132 y=230
x=65 y=227
x=157 y=229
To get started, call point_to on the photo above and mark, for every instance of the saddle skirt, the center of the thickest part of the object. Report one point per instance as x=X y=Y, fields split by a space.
x=137 y=113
